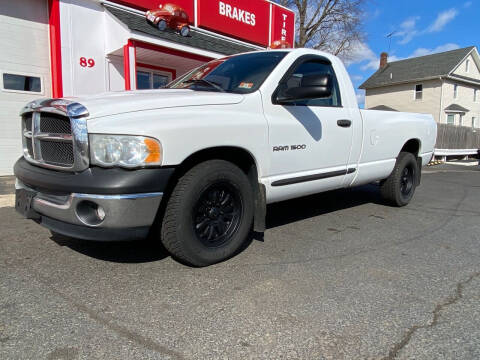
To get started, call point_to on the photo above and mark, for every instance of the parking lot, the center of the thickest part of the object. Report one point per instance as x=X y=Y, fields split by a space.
x=336 y=276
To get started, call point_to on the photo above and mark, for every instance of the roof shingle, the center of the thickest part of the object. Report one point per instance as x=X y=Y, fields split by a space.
x=423 y=67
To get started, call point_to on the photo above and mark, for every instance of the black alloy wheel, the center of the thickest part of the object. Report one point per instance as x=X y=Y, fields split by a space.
x=217 y=214
x=407 y=181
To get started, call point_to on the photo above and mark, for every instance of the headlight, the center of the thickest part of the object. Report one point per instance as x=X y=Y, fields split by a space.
x=124 y=151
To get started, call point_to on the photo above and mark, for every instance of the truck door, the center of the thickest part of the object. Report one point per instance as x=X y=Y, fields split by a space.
x=310 y=139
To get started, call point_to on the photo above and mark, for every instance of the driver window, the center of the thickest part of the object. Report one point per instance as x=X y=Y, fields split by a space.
x=315 y=67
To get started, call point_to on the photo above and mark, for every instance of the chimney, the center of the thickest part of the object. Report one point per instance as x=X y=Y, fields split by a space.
x=383 y=60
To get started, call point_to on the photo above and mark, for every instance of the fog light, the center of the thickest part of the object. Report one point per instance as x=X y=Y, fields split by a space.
x=90 y=213
x=101 y=213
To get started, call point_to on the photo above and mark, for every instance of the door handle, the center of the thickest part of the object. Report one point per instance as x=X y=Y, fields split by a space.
x=344 y=123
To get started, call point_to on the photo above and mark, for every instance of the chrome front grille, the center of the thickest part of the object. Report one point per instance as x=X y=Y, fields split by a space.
x=48 y=139
x=55 y=135
x=55 y=124
x=57 y=153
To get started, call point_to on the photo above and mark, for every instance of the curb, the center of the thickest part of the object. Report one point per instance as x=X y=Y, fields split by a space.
x=436 y=162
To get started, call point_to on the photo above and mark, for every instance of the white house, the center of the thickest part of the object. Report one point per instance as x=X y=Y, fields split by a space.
x=446 y=85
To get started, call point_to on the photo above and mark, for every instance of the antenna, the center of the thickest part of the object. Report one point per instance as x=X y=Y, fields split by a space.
x=389 y=36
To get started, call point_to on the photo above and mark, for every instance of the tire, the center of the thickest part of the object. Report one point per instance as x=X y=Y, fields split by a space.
x=209 y=214
x=185 y=31
x=399 y=187
x=162 y=25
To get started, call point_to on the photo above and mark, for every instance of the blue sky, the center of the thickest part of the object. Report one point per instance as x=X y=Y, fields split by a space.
x=421 y=27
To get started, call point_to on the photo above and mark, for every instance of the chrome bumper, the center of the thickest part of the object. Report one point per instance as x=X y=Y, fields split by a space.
x=121 y=211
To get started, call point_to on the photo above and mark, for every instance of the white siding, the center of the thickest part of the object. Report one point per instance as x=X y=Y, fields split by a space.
x=402 y=97
x=25 y=50
x=473 y=72
x=464 y=99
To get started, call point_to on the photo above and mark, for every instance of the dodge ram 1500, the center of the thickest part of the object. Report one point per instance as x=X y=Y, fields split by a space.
x=202 y=158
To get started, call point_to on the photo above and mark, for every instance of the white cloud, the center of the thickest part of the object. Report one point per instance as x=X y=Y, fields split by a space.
x=361 y=52
x=442 y=20
x=438 y=49
x=467 y=4
x=408 y=30
x=361 y=98
x=357 y=77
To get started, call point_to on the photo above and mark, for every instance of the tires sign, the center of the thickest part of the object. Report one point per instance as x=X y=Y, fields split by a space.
x=283 y=26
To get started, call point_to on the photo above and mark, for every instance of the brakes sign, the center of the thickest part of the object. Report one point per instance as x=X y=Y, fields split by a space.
x=246 y=20
x=237 y=14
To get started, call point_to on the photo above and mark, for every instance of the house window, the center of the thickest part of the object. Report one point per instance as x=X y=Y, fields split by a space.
x=467 y=66
x=15 y=82
x=419 y=92
x=474 y=122
x=461 y=120
x=451 y=119
x=475 y=95
x=455 y=91
x=151 y=80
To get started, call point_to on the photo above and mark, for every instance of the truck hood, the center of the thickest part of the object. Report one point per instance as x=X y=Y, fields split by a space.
x=131 y=101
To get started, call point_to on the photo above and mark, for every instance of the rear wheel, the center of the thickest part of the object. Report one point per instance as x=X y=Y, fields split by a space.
x=162 y=25
x=209 y=214
x=399 y=187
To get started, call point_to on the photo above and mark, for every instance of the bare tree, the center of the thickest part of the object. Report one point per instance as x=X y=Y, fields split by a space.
x=331 y=25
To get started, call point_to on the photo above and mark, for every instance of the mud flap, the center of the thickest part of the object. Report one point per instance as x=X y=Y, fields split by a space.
x=259 y=224
x=419 y=167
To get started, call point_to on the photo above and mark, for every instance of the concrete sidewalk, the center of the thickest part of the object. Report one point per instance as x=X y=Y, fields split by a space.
x=7 y=191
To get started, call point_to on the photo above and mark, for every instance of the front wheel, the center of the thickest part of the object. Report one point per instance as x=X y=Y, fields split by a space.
x=399 y=187
x=209 y=214
x=185 y=31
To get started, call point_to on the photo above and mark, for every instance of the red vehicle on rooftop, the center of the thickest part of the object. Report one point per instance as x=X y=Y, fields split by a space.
x=170 y=16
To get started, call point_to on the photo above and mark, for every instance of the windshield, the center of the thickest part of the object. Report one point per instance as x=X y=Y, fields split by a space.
x=241 y=74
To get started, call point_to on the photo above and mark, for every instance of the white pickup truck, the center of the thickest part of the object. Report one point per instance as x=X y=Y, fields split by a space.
x=195 y=164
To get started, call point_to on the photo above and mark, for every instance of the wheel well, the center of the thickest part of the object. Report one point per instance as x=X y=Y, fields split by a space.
x=412 y=146
x=238 y=156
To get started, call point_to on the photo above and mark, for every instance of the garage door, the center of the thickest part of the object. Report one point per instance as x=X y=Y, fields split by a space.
x=24 y=70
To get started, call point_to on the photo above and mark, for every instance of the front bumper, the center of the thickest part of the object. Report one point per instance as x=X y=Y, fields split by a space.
x=126 y=216
x=56 y=204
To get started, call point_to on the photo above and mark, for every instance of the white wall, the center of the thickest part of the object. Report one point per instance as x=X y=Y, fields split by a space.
x=464 y=99
x=116 y=80
x=83 y=35
x=24 y=44
x=402 y=98
x=473 y=71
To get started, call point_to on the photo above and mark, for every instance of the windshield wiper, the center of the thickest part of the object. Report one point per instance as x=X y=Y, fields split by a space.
x=203 y=81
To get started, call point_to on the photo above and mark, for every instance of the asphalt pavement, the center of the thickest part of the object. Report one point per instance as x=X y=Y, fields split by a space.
x=336 y=276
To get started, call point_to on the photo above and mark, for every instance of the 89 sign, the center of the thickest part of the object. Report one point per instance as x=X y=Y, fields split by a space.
x=84 y=62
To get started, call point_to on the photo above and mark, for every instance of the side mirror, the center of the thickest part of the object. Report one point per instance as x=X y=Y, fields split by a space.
x=311 y=87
